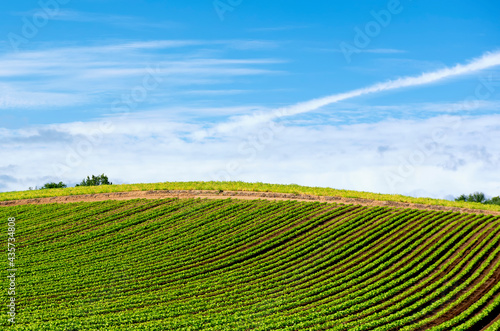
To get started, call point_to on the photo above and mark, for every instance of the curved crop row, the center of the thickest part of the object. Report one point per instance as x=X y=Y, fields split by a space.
x=222 y=264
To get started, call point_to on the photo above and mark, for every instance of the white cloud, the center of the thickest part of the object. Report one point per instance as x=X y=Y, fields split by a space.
x=151 y=147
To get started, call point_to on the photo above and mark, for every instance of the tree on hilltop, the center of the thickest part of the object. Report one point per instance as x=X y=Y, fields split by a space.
x=478 y=197
x=95 y=181
x=494 y=201
x=53 y=185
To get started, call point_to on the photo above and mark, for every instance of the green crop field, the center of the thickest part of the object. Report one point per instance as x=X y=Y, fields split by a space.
x=222 y=264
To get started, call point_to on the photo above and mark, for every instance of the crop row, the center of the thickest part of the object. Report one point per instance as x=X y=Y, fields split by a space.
x=175 y=264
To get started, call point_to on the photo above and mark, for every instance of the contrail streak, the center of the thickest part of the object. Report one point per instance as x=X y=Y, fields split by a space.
x=488 y=60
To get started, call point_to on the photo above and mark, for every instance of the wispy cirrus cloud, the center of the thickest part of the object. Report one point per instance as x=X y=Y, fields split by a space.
x=433 y=108
x=16 y=99
x=56 y=76
x=48 y=59
x=351 y=112
x=134 y=22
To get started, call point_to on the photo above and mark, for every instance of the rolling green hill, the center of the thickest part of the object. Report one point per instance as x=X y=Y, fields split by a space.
x=240 y=186
x=199 y=264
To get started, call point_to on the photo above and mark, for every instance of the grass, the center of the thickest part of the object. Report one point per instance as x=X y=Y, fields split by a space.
x=240 y=186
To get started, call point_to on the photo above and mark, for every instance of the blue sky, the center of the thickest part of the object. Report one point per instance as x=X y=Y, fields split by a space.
x=150 y=91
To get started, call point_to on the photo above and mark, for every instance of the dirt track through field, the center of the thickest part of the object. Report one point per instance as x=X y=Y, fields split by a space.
x=244 y=195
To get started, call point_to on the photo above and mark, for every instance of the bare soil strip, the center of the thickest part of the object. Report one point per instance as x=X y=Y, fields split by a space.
x=245 y=195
